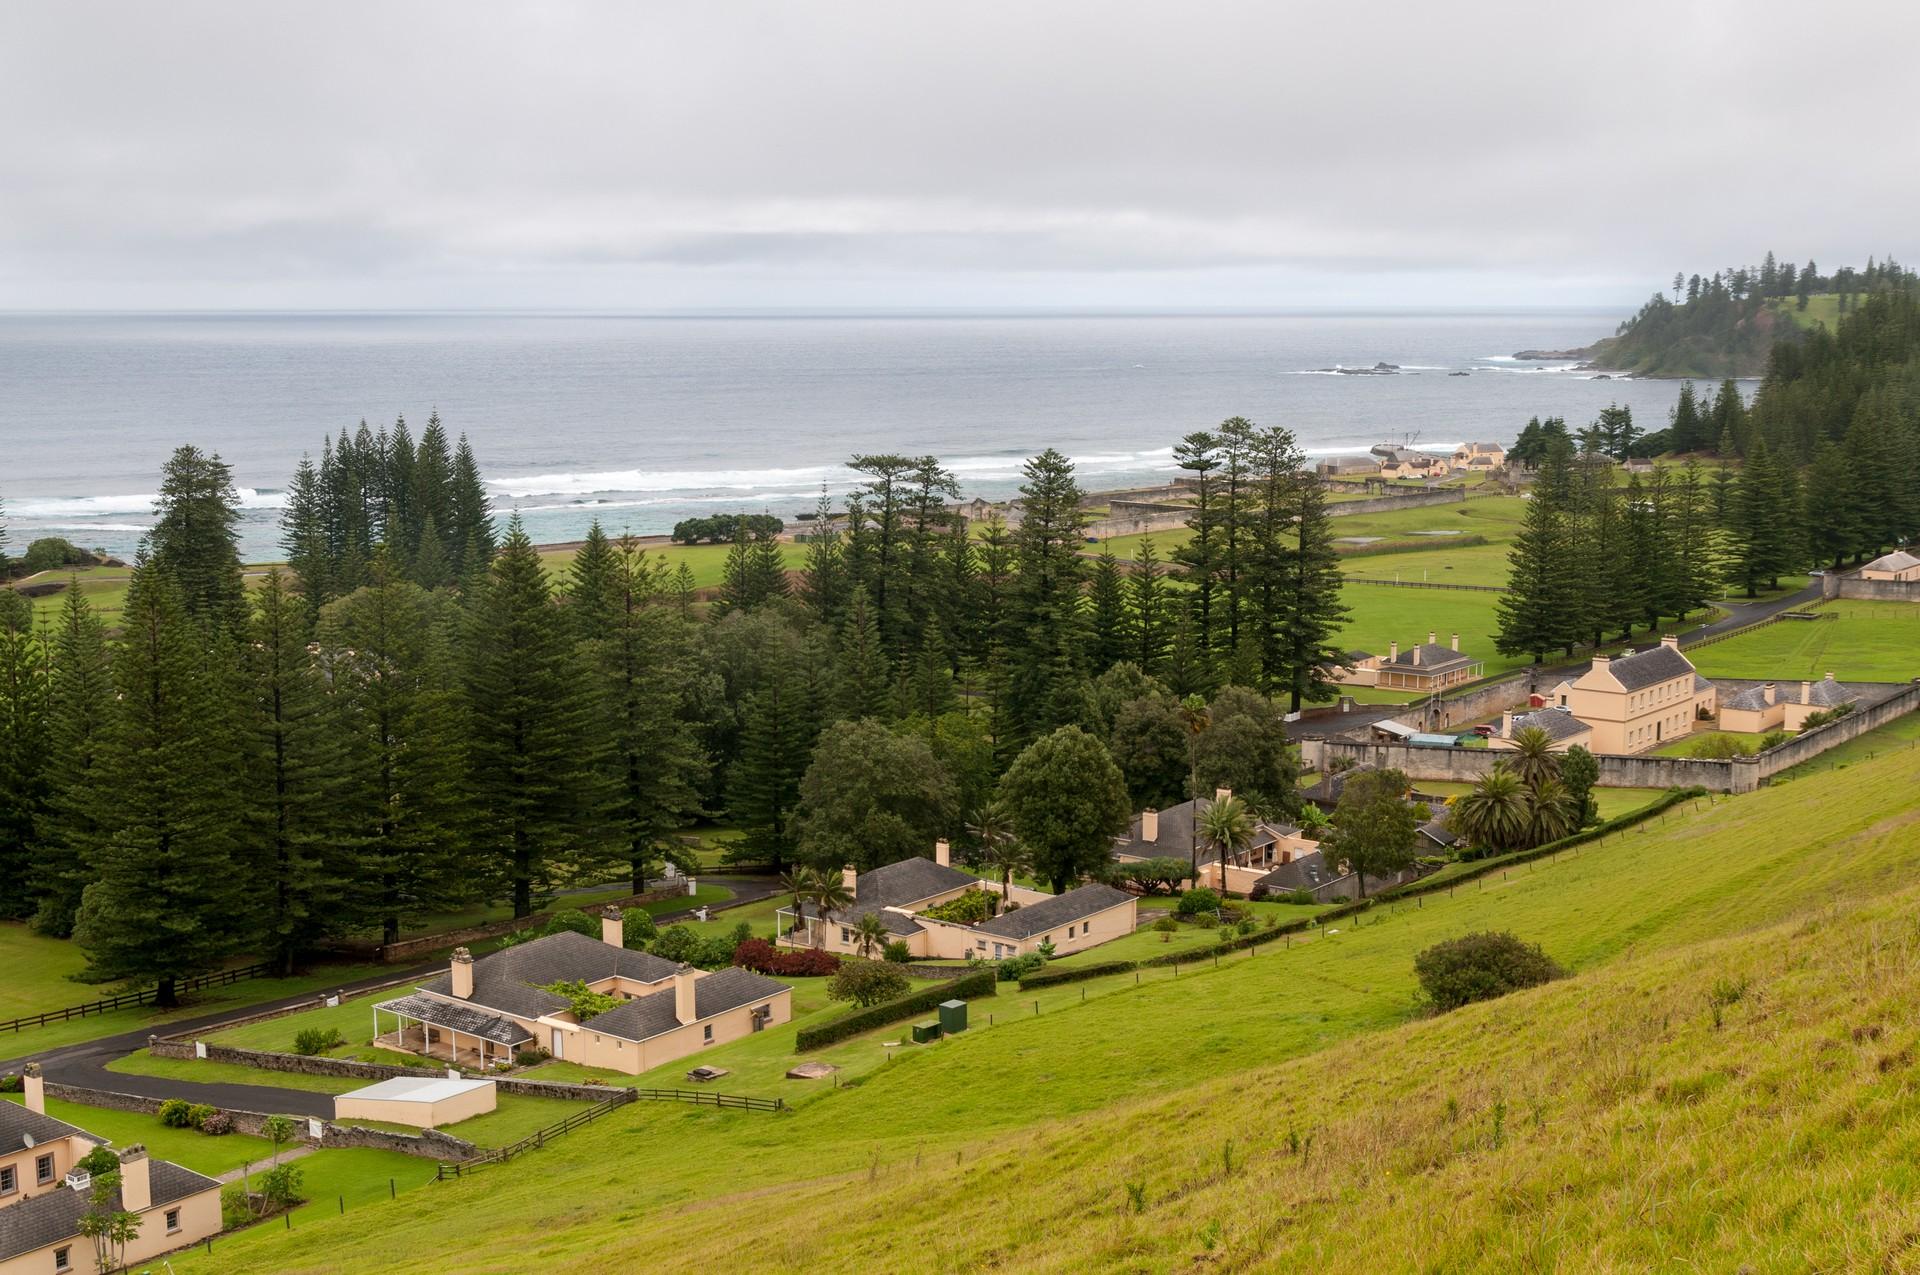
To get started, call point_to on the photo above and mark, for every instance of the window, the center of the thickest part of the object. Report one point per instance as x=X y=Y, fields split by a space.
x=846 y=935
x=173 y=1221
x=9 y=1181
x=43 y=1169
x=707 y=1033
x=63 y=1259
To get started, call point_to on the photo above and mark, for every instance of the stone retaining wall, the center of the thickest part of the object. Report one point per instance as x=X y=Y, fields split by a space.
x=408 y=949
x=1852 y=587
x=1382 y=504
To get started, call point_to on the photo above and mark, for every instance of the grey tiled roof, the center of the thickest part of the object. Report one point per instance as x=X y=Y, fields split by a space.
x=1435 y=830
x=654 y=1014
x=1305 y=873
x=1700 y=683
x=1558 y=723
x=1828 y=693
x=1175 y=839
x=897 y=885
x=1433 y=658
x=1061 y=909
x=1898 y=560
x=17 y=1124
x=53 y=1217
x=1751 y=700
x=895 y=921
x=465 y=1019
x=510 y=980
x=1645 y=668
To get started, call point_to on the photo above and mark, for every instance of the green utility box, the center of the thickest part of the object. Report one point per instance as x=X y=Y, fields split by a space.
x=924 y=1033
x=953 y=1016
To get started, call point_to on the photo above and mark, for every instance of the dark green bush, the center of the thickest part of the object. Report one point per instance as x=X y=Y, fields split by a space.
x=1480 y=967
x=979 y=983
x=1198 y=900
x=867 y=983
x=637 y=928
x=281 y=1186
x=176 y=1113
x=317 y=1040
x=898 y=952
x=572 y=919
x=199 y=1113
x=677 y=943
x=1015 y=968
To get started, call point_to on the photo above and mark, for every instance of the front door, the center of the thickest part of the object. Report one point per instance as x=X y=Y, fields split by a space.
x=559 y=1043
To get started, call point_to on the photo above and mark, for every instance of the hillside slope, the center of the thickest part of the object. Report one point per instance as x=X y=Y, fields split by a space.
x=1627 y=1127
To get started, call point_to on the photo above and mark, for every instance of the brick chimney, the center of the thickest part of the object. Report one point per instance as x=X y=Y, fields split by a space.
x=1456 y=641
x=1149 y=824
x=34 y=1088
x=136 y=1182
x=1670 y=639
x=613 y=928
x=943 y=853
x=683 y=994
x=462 y=973
x=850 y=878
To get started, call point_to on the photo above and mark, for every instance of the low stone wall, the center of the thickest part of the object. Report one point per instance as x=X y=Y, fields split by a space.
x=1382 y=504
x=1136 y=524
x=428 y=1144
x=1851 y=587
x=1733 y=775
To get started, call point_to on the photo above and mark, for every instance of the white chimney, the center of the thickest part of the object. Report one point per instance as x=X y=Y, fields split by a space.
x=1433 y=638
x=136 y=1183
x=1506 y=724
x=683 y=994
x=1416 y=655
x=1393 y=651
x=1149 y=824
x=1456 y=641
x=1770 y=690
x=462 y=973
x=1670 y=639
x=1806 y=692
x=613 y=928
x=34 y=1088
x=1222 y=794
x=1829 y=676
x=850 y=879
x=942 y=853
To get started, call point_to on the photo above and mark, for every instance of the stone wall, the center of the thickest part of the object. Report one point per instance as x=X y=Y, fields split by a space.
x=428 y=1144
x=1734 y=775
x=353 y=1069
x=1383 y=504
x=1835 y=585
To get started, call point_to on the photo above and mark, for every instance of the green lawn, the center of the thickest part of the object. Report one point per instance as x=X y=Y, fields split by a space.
x=203 y=1154
x=708 y=562
x=1443 y=564
x=718 y=1180
x=1899 y=735
x=35 y=981
x=1686 y=745
x=349 y=1179
x=206 y=1071
x=1869 y=642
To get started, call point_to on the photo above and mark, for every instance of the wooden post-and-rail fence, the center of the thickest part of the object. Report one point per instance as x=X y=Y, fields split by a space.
x=540 y=1137
x=125 y=999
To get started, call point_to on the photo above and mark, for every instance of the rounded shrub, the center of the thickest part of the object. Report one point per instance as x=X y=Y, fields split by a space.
x=1199 y=900
x=637 y=928
x=1480 y=967
x=572 y=919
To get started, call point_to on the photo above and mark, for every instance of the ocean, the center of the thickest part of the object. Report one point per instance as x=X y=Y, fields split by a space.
x=641 y=421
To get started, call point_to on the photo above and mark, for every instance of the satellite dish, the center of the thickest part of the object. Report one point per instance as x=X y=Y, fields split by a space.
x=27 y=1138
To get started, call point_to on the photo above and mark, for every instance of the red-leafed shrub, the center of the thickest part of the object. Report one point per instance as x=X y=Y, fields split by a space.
x=763 y=957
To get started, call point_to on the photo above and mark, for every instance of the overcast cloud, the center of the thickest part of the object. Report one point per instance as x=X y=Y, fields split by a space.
x=824 y=153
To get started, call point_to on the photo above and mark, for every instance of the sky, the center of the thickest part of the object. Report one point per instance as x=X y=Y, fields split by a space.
x=834 y=154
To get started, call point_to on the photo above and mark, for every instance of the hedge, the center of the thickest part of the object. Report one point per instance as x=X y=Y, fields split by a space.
x=980 y=983
x=1479 y=868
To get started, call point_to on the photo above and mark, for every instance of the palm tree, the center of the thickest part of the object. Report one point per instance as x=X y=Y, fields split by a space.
x=1314 y=820
x=799 y=883
x=1552 y=813
x=828 y=896
x=998 y=848
x=1496 y=813
x=873 y=933
x=1533 y=756
x=1228 y=827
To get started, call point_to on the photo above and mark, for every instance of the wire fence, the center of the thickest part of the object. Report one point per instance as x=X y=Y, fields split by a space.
x=107 y=1004
x=620 y=1098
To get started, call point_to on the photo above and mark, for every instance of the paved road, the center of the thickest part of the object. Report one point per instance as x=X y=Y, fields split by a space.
x=84 y=1064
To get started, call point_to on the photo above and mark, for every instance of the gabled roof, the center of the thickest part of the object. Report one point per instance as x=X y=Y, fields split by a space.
x=1176 y=833
x=1828 y=693
x=468 y=1020
x=897 y=885
x=1061 y=909
x=1646 y=668
x=1433 y=658
x=1898 y=560
x=1751 y=700
x=1558 y=723
x=1435 y=830
x=655 y=1014
x=53 y=1217
x=511 y=980
x=17 y=1125
x=1306 y=872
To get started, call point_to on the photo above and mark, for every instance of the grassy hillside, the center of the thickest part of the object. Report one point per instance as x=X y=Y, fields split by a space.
x=1622 y=1115
x=1865 y=642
